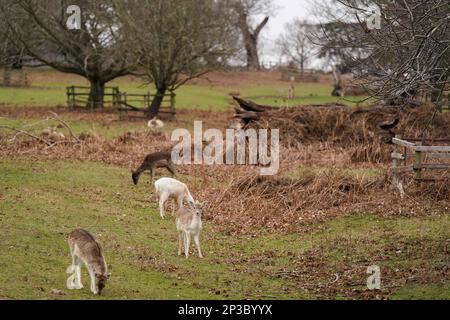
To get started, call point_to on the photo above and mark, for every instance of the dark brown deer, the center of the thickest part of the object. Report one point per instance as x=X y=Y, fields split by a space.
x=153 y=161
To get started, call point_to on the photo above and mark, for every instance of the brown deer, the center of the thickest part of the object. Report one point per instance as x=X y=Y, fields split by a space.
x=84 y=249
x=153 y=161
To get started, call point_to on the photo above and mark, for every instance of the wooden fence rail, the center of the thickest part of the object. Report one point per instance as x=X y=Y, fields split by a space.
x=419 y=153
x=78 y=97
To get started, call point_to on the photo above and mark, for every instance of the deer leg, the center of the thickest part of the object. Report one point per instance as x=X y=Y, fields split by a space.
x=180 y=242
x=162 y=201
x=78 y=263
x=197 y=244
x=152 y=173
x=172 y=169
x=187 y=240
x=93 y=284
x=180 y=201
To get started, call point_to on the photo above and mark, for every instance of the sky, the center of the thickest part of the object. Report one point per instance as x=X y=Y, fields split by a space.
x=287 y=11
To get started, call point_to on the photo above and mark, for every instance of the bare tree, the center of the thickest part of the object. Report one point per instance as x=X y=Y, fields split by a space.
x=176 y=40
x=247 y=11
x=94 y=51
x=296 y=45
x=410 y=50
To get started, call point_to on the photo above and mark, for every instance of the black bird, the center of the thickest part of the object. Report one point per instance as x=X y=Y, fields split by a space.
x=389 y=125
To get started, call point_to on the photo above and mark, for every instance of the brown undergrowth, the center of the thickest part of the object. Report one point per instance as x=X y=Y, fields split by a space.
x=242 y=201
x=356 y=130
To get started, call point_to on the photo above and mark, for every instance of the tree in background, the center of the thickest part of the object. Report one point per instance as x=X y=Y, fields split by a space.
x=410 y=50
x=176 y=40
x=94 y=51
x=246 y=12
x=296 y=45
x=10 y=54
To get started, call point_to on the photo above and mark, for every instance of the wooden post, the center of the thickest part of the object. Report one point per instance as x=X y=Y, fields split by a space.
x=71 y=97
x=68 y=98
x=172 y=102
x=116 y=98
x=395 y=160
x=7 y=76
x=418 y=157
x=147 y=100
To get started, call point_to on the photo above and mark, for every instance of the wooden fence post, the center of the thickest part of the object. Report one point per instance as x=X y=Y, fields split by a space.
x=71 y=97
x=172 y=102
x=7 y=76
x=395 y=160
x=418 y=158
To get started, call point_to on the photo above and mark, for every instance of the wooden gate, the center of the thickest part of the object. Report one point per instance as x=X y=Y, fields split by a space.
x=128 y=104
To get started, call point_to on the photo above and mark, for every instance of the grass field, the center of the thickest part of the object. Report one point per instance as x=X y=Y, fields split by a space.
x=46 y=91
x=41 y=201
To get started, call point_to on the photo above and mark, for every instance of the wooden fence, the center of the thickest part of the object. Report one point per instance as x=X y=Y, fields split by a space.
x=413 y=149
x=14 y=78
x=294 y=75
x=127 y=103
x=78 y=97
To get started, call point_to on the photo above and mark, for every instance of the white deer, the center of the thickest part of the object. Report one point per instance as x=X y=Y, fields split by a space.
x=172 y=188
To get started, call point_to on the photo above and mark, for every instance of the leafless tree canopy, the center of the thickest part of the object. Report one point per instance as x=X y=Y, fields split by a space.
x=95 y=51
x=410 y=50
x=296 y=43
x=176 y=40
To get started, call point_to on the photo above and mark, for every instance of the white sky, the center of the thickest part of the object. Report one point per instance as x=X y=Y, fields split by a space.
x=287 y=11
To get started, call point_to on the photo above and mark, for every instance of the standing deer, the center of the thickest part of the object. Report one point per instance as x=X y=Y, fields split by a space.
x=189 y=224
x=172 y=188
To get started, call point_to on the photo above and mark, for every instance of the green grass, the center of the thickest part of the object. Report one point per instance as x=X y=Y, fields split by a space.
x=105 y=129
x=45 y=93
x=41 y=201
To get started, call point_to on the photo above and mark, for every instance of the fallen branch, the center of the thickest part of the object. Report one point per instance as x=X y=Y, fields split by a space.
x=57 y=118
x=26 y=134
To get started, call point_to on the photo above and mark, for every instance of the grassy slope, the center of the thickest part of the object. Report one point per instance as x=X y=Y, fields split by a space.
x=50 y=93
x=42 y=201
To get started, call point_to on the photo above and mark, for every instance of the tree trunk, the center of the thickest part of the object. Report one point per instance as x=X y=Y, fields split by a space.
x=156 y=103
x=251 y=46
x=96 y=94
x=302 y=67
x=251 y=40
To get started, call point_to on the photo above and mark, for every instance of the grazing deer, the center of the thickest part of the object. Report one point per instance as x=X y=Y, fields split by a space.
x=84 y=249
x=171 y=188
x=189 y=224
x=153 y=161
